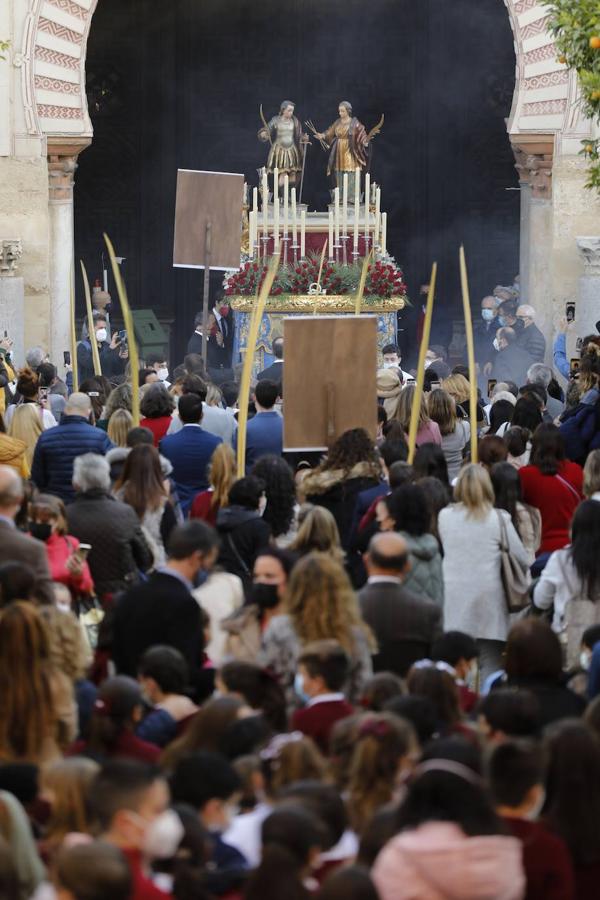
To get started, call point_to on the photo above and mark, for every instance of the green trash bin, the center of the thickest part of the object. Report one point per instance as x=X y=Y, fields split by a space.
x=149 y=333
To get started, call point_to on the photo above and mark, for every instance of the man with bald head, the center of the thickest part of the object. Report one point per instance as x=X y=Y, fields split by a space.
x=405 y=624
x=57 y=448
x=16 y=546
x=530 y=338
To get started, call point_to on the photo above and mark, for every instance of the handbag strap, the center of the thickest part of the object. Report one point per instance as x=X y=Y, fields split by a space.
x=503 y=532
x=236 y=553
x=566 y=484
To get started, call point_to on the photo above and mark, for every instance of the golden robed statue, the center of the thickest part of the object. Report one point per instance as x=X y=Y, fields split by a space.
x=284 y=133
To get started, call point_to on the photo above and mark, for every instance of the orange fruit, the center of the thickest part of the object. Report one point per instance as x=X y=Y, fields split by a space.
x=589 y=148
x=595 y=42
x=595 y=95
x=562 y=59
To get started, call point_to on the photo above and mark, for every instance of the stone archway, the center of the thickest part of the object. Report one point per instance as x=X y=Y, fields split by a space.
x=543 y=123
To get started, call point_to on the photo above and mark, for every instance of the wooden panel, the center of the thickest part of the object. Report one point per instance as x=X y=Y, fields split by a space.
x=203 y=197
x=329 y=379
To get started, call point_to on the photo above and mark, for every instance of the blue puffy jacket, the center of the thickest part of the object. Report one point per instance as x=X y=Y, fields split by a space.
x=580 y=428
x=55 y=452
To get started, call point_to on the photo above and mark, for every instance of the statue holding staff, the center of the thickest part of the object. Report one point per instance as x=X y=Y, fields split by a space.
x=348 y=145
x=284 y=133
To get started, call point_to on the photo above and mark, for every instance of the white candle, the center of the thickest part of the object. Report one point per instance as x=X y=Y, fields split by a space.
x=384 y=232
x=367 y=197
x=245 y=196
x=276 y=221
x=356 y=206
x=294 y=218
x=330 y=245
x=255 y=198
x=336 y=202
x=251 y=226
x=302 y=233
x=345 y=205
x=286 y=193
x=275 y=182
x=377 y=215
x=265 y=206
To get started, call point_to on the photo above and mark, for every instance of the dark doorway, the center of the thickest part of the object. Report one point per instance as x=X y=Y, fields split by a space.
x=179 y=84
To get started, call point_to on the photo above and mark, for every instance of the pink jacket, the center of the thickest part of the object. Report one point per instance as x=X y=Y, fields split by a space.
x=438 y=862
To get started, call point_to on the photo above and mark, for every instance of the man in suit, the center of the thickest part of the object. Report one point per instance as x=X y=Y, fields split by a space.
x=264 y=433
x=163 y=610
x=189 y=451
x=404 y=625
x=530 y=337
x=274 y=372
x=512 y=361
x=195 y=342
x=16 y=546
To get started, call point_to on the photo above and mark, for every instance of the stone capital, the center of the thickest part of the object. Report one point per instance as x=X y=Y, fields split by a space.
x=589 y=248
x=534 y=154
x=11 y=251
x=62 y=164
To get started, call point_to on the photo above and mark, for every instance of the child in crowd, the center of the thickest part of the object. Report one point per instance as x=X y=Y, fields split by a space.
x=516 y=774
x=163 y=676
x=322 y=672
x=459 y=652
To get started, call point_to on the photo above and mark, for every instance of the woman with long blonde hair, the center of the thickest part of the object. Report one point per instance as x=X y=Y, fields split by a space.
x=428 y=431
x=119 y=426
x=26 y=426
x=320 y=604
x=37 y=709
x=13 y=452
x=317 y=530
x=221 y=475
x=472 y=533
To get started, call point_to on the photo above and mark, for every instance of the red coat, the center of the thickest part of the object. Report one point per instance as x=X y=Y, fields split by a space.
x=158 y=427
x=59 y=548
x=317 y=720
x=143 y=887
x=546 y=860
x=555 y=501
x=202 y=508
x=127 y=746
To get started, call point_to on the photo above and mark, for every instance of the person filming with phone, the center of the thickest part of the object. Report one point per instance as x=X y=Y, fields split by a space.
x=66 y=556
x=113 y=355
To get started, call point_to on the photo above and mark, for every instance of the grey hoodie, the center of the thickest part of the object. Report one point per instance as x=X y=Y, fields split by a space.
x=425 y=577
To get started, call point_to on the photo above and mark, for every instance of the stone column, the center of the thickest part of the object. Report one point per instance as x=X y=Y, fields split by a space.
x=534 y=155
x=587 y=312
x=12 y=297
x=62 y=165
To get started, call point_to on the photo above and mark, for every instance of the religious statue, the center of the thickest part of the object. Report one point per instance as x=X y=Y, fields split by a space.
x=348 y=143
x=284 y=133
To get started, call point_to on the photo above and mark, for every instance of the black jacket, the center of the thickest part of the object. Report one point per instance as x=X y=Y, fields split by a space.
x=483 y=337
x=533 y=342
x=243 y=533
x=512 y=364
x=274 y=372
x=119 y=550
x=159 y=611
x=340 y=500
x=404 y=625
x=110 y=361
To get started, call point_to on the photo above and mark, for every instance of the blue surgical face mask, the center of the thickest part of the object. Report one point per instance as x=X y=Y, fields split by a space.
x=502 y=321
x=487 y=314
x=299 y=688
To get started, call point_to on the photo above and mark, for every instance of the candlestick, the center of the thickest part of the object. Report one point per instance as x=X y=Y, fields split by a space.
x=250 y=233
x=367 y=198
x=356 y=208
x=294 y=219
x=302 y=233
x=286 y=191
x=345 y=204
x=276 y=182
x=330 y=242
x=336 y=209
x=265 y=208
x=377 y=215
x=245 y=194
x=384 y=233
x=276 y=221
x=255 y=198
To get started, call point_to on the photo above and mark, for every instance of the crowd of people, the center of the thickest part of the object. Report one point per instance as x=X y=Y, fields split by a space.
x=347 y=676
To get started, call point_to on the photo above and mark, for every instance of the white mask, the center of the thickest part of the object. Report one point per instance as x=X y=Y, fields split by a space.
x=163 y=374
x=428 y=363
x=585 y=659
x=487 y=315
x=390 y=365
x=496 y=344
x=101 y=335
x=163 y=836
x=262 y=505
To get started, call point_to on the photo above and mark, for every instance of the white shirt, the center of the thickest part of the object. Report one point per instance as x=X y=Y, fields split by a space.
x=384 y=579
x=325 y=698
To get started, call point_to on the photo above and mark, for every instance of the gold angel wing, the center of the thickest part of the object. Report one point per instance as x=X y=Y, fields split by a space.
x=376 y=129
